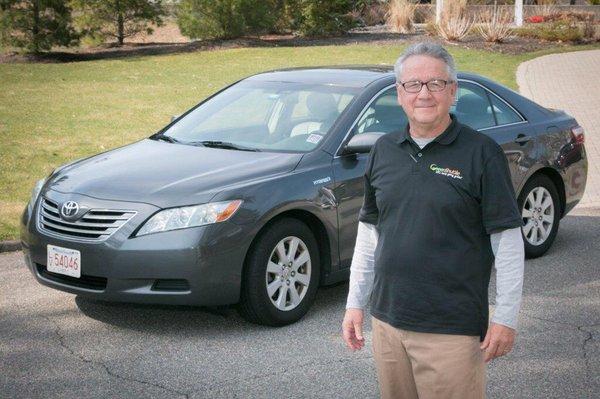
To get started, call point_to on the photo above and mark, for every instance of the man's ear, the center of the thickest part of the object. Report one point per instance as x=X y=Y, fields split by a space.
x=453 y=92
x=399 y=94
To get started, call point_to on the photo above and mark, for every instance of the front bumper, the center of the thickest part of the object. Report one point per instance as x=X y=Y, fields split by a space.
x=195 y=266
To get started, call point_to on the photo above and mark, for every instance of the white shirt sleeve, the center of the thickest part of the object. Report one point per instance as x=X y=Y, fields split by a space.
x=362 y=269
x=509 y=264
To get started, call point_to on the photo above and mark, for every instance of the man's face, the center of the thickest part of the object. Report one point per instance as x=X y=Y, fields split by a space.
x=425 y=108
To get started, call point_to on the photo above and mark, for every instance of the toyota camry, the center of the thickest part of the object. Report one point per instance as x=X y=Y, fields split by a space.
x=252 y=196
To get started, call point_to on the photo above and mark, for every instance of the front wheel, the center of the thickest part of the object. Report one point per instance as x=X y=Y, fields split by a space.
x=540 y=209
x=281 y=274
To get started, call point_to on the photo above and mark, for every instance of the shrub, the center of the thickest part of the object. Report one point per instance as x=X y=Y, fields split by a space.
x=455 y=24
x=368 y=12
x=326 y=17
x=495 y=26
x=374 y=15
x=227 y=19
x=535 y=19
x=559 y=31
x=400 y=15
x=588 y=30
x=570 y=16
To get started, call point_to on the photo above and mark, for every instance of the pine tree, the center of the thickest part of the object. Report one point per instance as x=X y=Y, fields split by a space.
x=119 y=18
x=36 y=25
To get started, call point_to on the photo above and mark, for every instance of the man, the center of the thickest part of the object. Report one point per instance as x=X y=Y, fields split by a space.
x=439 y=208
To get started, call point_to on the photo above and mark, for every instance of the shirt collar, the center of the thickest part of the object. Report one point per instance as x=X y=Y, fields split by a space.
x=445 y=138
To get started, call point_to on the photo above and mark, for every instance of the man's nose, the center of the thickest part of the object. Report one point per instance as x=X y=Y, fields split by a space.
x=424 y=92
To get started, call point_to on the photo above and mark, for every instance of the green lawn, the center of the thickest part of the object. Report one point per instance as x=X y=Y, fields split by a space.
x=54 y=113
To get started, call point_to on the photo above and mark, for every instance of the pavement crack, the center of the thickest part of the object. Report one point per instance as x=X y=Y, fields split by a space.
x=589 y=337
x=63 y=344
x=586 y=359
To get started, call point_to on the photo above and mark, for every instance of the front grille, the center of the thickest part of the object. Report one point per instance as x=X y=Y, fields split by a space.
x=85 y=281
x=94 y=225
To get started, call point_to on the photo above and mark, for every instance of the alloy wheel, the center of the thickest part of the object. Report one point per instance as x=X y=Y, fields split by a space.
x=538 y=215
x=288 y=273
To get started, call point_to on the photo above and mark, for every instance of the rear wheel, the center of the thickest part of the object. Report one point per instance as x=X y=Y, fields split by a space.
x=540 y=209
x=281 y=274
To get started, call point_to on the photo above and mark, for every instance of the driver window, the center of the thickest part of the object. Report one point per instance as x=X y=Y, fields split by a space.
x=384 y=115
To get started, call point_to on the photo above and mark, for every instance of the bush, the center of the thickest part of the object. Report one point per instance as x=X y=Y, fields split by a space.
x=369 y=12
x=227 y=19
x=495 y=26
x=326 y=17
x=535 y=19
x=400 y=15
x=455 y=24
x=570 y=16
x=454 y=29
x=559 y=31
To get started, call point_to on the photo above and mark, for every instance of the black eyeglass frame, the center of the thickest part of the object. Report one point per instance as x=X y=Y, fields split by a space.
x=421 y=84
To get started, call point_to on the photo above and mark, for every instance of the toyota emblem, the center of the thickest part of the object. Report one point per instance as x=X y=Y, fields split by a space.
x=69 y=209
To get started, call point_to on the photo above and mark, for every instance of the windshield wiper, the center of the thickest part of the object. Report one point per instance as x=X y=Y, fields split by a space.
x=162 y=137
x=223 y=144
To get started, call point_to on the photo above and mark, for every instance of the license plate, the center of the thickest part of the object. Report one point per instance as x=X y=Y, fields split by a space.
x=64 y=261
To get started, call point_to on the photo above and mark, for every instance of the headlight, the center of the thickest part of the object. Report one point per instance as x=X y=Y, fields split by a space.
x=190 y=216
x=34 y=194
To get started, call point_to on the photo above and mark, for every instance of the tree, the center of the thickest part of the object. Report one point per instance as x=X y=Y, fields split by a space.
x=36 y=25
x=119 y=18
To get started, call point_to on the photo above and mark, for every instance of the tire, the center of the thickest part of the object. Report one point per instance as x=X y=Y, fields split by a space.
x=540 y=209
x=268 y=269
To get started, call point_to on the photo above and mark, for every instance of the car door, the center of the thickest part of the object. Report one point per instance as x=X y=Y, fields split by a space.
x=481 y=109
x=382 y=114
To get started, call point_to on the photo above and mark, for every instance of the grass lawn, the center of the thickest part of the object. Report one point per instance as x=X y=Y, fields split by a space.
x=53 y=113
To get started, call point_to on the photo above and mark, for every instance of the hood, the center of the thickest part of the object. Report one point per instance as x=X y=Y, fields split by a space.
x=166 y=174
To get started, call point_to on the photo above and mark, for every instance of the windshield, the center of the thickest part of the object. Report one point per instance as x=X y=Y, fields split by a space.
x=277 y=116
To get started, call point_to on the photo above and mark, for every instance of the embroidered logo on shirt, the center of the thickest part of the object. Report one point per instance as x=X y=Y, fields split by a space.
x=453 y=173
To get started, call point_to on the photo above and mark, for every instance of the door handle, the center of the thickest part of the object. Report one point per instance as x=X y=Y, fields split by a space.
x=522 y=139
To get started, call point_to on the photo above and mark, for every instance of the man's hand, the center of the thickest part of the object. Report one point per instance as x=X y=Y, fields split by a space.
x=352 y=328
x=498 y=341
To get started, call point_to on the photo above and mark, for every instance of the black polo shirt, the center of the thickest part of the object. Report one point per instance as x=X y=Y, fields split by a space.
x=434 y=209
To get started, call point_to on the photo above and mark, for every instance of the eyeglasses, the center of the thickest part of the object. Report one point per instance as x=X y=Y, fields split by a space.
x=434 y=85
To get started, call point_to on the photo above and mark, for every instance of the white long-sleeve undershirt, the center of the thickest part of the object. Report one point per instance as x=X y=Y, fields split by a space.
x=509 y=263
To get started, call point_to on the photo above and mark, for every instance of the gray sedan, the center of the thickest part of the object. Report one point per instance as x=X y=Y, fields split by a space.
x=252 y=196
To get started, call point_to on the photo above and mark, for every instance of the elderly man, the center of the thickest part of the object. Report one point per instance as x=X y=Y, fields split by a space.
x=439 y=209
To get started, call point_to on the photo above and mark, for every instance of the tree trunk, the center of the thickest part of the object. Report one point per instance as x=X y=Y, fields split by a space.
x=36 y=26
x=120 y=24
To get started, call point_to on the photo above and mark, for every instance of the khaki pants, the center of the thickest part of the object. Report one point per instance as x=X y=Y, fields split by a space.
x=414 y=365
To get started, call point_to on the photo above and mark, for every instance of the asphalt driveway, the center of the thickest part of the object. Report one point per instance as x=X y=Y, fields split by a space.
x=53 y=344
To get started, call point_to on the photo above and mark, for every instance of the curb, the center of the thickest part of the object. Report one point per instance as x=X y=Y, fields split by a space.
x=9 y=246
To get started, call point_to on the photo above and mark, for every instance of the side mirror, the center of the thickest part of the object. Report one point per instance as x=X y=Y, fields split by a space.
x=361 y=143
x=173 y=117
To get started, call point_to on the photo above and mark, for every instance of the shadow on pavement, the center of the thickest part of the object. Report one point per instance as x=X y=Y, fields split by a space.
x=170 y=318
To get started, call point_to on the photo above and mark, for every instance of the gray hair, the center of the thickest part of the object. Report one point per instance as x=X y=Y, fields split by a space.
x=429 y=49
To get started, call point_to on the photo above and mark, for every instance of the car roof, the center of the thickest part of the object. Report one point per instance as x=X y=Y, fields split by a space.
x=338 y=75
